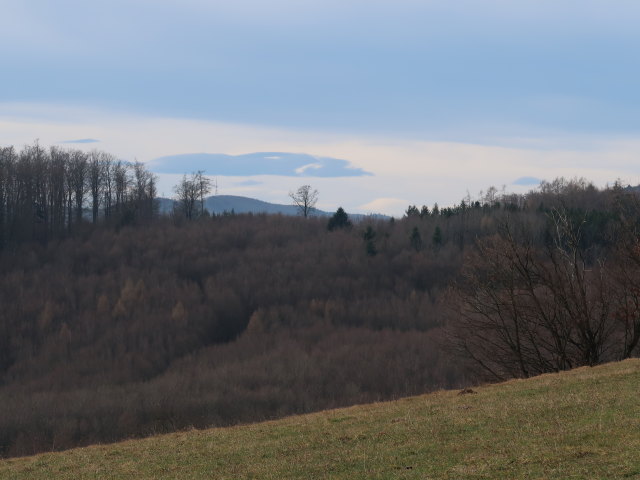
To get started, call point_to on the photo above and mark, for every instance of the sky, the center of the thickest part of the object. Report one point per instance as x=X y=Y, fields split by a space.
x=379 y=104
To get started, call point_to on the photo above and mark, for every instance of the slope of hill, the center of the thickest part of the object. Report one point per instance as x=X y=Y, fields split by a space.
x=226 y=203
x=580 y=424
x=219 y=204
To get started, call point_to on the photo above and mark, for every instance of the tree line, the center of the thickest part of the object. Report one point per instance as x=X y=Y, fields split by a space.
x=46 y=193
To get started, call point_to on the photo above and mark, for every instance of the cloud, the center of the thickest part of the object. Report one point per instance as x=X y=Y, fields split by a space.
x=261 y=163
x=483 y=64
x=384 y=205
x=405 y=170
x=248 y=183
x=81 y=140
x=527 y=181
x=304 y=168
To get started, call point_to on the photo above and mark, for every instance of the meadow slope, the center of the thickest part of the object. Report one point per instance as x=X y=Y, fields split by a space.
x=581 y=424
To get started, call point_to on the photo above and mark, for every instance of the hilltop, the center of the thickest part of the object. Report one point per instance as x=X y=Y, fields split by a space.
x=577 y=424
x=221 y=204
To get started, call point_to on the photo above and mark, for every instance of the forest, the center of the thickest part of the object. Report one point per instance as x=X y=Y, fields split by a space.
x=119 y=322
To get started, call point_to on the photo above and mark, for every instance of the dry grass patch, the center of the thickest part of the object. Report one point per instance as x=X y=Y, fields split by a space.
x=582 y=424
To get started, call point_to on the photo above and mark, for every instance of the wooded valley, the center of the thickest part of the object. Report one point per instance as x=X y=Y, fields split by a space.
x=123 y=322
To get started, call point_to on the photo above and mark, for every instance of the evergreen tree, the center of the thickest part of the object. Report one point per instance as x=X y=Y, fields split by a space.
x=412 y=211
x=340 y=219
x=437 y=237
x=415 y=239
x=369 y=237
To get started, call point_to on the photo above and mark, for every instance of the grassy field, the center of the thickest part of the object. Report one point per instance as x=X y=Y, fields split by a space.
x=582 y=424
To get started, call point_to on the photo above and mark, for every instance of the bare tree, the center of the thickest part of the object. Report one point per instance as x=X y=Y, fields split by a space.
x=78 y=173
x=187 y=193
x=203 y=186
x=96 y=166
x=525 y=309
x=626 y=276
x=305 y=199
x=108 y=181
x=122 y=184
x=56 y=189
x=144 y=191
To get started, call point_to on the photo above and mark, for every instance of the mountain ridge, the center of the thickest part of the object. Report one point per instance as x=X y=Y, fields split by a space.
x=221 y=204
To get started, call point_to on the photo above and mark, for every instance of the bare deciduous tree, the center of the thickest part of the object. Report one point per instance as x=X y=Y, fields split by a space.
x=305 y=199
x=523 y=309
x=46 y=192
x=203 y=185
x=96 y=166
x=190 y=191
x=78 y=170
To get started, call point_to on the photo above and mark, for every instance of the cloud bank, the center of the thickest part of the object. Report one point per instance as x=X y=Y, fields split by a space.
x=81 y=140
x=451 y=69
x=404 y=171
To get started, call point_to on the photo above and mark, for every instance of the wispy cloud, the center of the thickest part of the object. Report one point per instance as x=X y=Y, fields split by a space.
x=248 y=183
x=313 y=166
x=384 y=205
x=527 y=181
x=81 y=140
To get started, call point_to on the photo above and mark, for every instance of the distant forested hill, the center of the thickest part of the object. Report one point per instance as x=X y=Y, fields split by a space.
x=220 y=204
x=226 y=203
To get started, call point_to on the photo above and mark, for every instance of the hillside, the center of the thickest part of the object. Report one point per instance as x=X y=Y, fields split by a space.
x=226 y=203
x=220 y=204
x=579 y=424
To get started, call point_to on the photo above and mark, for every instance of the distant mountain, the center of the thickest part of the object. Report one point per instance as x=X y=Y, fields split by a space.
x=165 y=205
x=226 y=203
x=219 y=204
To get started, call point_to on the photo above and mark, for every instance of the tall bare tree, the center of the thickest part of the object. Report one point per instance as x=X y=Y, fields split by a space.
x=96 y=166
x=122 y=184
x=305 y=199
x=203 y=185
x=187 y=193
x=78 y=183
x=44 y=192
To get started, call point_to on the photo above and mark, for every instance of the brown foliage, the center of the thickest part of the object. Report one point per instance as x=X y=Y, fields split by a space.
x=526 y=307
x=128 y=328
x=128 y=331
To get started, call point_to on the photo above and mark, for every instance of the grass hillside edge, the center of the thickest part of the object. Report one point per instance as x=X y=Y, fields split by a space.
x=580 y=424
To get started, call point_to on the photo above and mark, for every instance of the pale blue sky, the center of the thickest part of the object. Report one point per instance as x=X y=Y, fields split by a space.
x=533 y=75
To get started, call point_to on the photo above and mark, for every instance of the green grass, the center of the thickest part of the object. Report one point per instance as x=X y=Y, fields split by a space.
x=582 y=424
